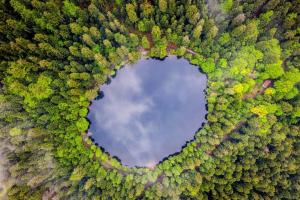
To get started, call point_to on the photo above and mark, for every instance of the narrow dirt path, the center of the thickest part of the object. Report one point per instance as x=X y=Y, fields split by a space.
x=192 y=52
x=174 y=46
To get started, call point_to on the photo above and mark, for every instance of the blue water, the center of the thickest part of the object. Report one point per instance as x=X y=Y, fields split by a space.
x=149 y=110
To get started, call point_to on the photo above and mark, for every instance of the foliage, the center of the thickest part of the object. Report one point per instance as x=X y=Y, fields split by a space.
x=55 y=55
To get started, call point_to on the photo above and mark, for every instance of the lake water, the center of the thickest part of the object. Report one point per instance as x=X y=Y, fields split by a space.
x=149 y=110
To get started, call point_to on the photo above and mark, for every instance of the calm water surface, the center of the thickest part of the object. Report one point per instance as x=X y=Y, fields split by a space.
x=149 y=110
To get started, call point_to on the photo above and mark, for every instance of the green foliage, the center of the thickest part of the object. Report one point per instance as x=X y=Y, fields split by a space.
x=208 y=65
x=271 y=49
x=274 y=70
x=82 y=124
x=15 y=131
x=192 y=13
x=41 y=89
x=226 y=5
x=224 y=39
x=285 y=87
x=147 y=9
x=55 y=55
x=145 y=42
x=130 y=9
x=156 y=33
x=77 y=174
x=163 y=5
x=245 y=61
x=198 y=29
x=70 y=8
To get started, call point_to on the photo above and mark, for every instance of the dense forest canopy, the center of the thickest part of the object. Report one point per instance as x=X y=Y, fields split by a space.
x=56 y=54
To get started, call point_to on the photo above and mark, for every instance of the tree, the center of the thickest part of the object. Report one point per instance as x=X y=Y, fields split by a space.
x=147 y=9
x=285 y=87
x=82 y=124
x=245 y=60
x=226 y=5
x=238 y=88
x=141 y=26
x=41 y=89
x=193 y=14
x=70 y=8
x=271 y=49
x=163 y=5
x=15 y=131
x=121 y=39
x=223 y=63
x=197 y=31
x=88 y=40
x=156 y=33
x=252 y=31
x=208 y=65
x=77 y=174
x=145 y=42
x=134 y=40
x=95 y=32
x=76 y=28
x=274 y=70
x=211 y=30
x=87 y=53
x=130 y=9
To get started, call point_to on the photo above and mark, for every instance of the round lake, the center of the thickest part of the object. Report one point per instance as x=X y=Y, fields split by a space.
x=149 y=110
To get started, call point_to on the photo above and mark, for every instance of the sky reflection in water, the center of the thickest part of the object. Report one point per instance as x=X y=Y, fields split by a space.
x=149 y=110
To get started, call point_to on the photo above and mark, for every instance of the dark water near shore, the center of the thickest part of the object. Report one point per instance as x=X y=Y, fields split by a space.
x=149 y=110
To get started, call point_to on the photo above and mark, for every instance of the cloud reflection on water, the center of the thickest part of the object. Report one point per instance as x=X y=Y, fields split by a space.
x=149 y=110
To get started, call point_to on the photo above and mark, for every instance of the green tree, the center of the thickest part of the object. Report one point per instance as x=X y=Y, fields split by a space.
x=87 y=53
x=147 y=9
x=145 y=42
x=130 y=9
x=226 y=5
x=163 y=5
x=76 y=28
x=77 y=174
x=198 y=29
x=41 y=89
x=193 y=14
x=88 y=40
x=134 y=40
x=208 y=65
x=70 y=8
x=141 y=26
x=156 y=33
x=82 y=124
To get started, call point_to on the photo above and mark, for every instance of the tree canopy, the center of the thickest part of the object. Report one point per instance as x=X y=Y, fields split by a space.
x=55 y=55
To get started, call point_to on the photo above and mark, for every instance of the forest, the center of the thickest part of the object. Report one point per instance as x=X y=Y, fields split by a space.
x=55 y=55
